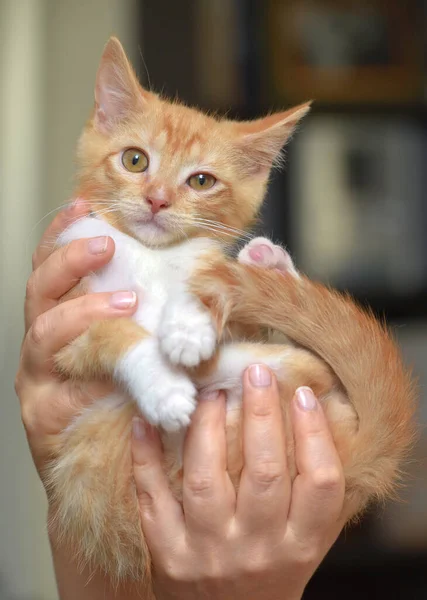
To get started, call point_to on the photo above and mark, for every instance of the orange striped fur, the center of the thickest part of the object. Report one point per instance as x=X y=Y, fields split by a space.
x=342 y=352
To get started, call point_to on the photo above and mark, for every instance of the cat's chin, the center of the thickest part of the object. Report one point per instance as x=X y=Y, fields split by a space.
x=151 y=233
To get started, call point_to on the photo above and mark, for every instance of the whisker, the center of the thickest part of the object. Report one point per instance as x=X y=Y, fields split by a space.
x=222 y=225
x=220 y=228
x=216 y=232
x=58 y=208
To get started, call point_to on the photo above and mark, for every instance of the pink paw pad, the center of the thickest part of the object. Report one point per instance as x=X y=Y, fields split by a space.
x=263 y=253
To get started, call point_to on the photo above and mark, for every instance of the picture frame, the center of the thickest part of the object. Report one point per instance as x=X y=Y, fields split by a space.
x=357 y=207
x=343 y=51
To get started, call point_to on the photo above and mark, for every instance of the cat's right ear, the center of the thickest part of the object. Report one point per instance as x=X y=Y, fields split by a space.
x=117 y=90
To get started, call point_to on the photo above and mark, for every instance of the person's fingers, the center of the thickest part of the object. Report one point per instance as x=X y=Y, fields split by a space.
x=62 y=270
x=318 y=489
x=208 y=495
x=161 y=515
x=53 y=329
x=48 y=408
x=264 y=490
x=71 y=212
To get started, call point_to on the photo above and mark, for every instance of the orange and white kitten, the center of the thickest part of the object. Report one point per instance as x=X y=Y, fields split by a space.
x=172 y=187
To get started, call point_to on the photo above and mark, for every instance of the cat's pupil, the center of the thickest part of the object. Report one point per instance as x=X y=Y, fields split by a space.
x=202 y=180
x=135 y=159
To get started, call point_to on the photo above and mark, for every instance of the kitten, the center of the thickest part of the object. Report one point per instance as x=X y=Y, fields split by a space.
x=173 y=187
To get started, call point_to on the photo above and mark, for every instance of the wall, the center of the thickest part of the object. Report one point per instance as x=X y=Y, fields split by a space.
x=48 y=56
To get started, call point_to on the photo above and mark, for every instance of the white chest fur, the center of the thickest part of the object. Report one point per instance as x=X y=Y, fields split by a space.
x=153 y=273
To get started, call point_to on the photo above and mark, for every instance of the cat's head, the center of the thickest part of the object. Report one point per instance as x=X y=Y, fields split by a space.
x=162 y=171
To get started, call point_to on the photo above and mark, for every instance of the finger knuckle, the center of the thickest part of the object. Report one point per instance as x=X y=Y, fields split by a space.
x=65 y=255
x=89 y=304
x=38 y=330
x=306 y=556
x=261 y=408
x=267 y=472
x=327 y=479
x=31 y=287
x=146 y=500
x=29 y=417
x=174 y=570
x=199 y=483
x=259 y=562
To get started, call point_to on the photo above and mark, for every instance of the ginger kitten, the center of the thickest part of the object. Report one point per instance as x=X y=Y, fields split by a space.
x=173 y=187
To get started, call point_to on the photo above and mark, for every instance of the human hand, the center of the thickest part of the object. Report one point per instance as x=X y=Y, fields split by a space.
x=48 y=402
x=266 y=541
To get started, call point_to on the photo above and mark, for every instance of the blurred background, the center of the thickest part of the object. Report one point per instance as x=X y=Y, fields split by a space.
x=349 y=204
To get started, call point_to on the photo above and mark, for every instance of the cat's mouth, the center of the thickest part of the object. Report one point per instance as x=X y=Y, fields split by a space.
x=150 y=228
x=152 y=221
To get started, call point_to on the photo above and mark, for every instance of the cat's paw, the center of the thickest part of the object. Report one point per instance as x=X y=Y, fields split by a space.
x=187 y=334
x=171 y=403
x=263 y=253
x=166 y=397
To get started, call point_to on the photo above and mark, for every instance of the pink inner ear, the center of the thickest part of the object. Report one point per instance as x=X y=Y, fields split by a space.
x=117 y=91
x=261 y=141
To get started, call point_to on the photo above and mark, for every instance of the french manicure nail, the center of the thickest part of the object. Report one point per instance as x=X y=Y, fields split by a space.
x=123 y=300
x=306 y=399
x=209 y=396
x=98 y=245
x=138 y=428
x=259 y=376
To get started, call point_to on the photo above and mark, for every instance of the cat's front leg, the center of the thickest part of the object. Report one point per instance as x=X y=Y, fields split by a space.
x=187 y=333
x=121 y=349
x=166 y=395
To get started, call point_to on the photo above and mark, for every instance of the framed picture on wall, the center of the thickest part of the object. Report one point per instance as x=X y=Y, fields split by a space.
x=344 y=51
x=357 y=203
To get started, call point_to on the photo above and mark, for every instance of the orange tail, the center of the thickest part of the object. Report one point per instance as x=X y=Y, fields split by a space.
x=359 y=349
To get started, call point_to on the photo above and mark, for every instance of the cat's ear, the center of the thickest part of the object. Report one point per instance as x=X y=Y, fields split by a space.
x=117 y=90
x=262 y=140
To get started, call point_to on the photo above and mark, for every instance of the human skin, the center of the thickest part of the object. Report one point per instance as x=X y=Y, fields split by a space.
x=264 y=542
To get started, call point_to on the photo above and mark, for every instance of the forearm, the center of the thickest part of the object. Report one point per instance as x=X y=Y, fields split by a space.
x=75 y=583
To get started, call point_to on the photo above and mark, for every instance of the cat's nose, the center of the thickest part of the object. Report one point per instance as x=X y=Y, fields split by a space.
x=156 y=204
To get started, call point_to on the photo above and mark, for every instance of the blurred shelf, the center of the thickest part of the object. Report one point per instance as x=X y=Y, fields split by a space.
x=417 y=111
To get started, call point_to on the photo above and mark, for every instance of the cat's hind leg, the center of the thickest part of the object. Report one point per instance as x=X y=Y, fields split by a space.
x=261 y=252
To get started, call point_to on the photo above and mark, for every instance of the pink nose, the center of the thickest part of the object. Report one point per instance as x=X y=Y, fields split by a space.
x=156 y=204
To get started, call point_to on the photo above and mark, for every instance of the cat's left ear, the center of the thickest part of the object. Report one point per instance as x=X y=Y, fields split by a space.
x=262 y=140
x=117 y=90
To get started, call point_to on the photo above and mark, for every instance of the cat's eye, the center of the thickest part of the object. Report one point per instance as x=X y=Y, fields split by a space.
x=134 y=160
x=201 y=181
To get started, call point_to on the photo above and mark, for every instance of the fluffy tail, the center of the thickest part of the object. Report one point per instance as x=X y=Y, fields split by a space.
x=359 y=349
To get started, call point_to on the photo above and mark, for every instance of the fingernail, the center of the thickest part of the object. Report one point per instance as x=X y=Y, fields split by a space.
x=123 y=300
x=259 y=376
x=98 y=245
x=306 y=399
x=138 y=428
x=209 y=396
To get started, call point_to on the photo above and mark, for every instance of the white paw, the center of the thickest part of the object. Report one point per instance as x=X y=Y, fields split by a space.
x=171 y=403
x=263 y=253
x=187 y=334
x=165 y=396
